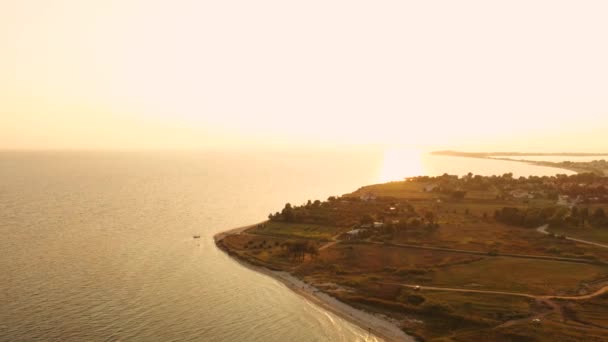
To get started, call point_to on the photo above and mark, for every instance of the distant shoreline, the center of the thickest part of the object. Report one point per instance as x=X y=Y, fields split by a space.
x=578 y=167
x=516 y=154
x=381 y=328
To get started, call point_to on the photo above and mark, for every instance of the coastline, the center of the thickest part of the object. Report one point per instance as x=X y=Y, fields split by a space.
x=381 y=328
x=219 y=236
x=508 y=156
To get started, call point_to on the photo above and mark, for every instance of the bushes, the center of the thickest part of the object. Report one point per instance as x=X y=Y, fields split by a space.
x=408 y=297
x=437 y=308
x=528 y=217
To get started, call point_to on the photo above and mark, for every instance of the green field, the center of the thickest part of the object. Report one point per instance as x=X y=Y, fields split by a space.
x=298 y=230
x=541 y=277
x=599 y=235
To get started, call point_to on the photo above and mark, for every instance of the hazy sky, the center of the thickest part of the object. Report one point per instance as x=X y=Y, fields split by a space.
x=436 y=74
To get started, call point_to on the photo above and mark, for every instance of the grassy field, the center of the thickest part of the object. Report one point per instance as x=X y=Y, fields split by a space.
x=298 y=230
x=519 y=275
x=547 y=331
x=479 y=235
x=367 y=259
x=592 y=311
x=490 y=306
x=362 y=263
x=599 y=235
x=409 y=190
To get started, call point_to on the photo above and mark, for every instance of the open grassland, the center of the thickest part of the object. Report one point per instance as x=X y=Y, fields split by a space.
x=599 y=235
x=486 y=236
x=297 y=230
x=367 y=259
x=528 y=332
x=409 y=190
x=356 y=263
x=592 y=311
x=489 y=306
x=542 y=277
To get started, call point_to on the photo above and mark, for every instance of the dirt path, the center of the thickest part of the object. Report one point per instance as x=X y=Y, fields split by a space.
x=519 y=294
x=334 y=240
x=543 y=230
x=545 y=299
x=554 y=307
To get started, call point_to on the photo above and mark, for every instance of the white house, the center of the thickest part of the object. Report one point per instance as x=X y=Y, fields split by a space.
x=368 y=196
x=430 y=187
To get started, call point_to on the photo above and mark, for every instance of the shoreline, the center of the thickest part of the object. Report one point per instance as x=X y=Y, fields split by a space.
x=504 y=156
x=221 y=235
x=381 y=328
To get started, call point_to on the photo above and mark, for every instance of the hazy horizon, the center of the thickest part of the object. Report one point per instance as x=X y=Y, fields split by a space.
x=147 y=75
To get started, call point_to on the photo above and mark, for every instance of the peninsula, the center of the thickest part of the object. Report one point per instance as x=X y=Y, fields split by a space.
x=448 y=258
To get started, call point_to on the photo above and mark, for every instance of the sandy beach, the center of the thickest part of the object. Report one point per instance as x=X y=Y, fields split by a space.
x=381 y=328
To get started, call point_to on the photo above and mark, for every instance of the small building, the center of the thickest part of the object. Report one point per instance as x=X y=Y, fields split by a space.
x=368 y=196
x=378 y=224
x=520 y=194
x=567 y=201
x=563 y=200
x=355 y=233
x=430 y=187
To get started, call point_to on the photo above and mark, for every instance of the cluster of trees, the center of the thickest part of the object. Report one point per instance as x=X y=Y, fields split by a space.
x=586 y=185
x=579 y=217
x=345 y=211
x=299 y=249
x=526 y=217
x=555 y=216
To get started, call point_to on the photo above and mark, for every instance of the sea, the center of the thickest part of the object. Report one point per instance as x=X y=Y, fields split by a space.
x=98 y=245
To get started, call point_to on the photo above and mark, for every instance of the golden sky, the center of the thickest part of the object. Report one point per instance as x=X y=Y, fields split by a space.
x=478 y=75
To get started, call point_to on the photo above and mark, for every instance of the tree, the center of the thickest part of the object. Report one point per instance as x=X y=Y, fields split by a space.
x=288 y=213
x=367 y=219
x=584 y=215
x=599 y=217
x=458 y=194
x=574 y=212
x=299 y=249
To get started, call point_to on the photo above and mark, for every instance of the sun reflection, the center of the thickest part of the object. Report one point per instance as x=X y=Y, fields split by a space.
x=400 y=163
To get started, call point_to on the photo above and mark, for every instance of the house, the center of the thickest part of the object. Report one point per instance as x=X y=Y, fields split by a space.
x=368 y=196
x=563 y=200
x=430 y=187
x=355 y=233
x=520 y=194
x=378 y=224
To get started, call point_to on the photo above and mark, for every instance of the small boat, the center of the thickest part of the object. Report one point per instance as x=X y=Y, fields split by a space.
x=197 y=236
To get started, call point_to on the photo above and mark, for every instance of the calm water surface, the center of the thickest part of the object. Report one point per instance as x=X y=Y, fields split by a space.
x=97 y=246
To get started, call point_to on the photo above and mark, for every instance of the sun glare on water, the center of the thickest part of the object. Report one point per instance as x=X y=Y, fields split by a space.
x=400 y=163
